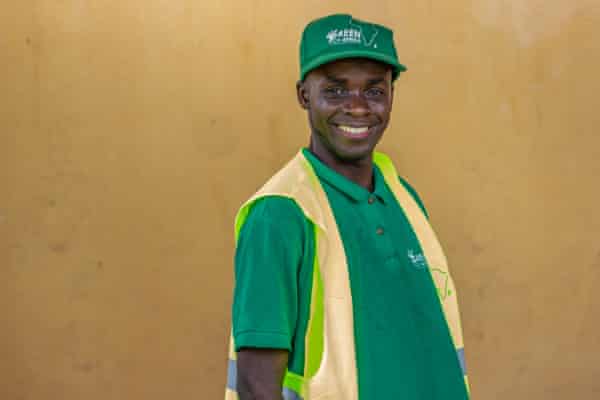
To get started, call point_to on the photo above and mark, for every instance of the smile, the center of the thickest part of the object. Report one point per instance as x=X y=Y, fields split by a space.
x=354 y=132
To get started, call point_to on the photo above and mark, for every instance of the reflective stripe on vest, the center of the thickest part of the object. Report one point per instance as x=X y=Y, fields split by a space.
x=330 y=371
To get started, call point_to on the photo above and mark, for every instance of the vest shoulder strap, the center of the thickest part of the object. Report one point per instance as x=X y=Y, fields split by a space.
x=293 y=181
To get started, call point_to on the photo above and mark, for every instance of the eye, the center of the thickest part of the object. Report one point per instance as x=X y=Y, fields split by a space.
x=374 y=92
x=335 y=91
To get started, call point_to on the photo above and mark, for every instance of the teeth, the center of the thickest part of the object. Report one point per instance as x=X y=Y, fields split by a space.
x=353 y=130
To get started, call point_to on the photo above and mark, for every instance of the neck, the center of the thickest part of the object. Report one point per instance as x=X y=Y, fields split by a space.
x=358 y=171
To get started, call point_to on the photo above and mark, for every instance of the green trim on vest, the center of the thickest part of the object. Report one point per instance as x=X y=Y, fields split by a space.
x=294 y=382
x=314 y=339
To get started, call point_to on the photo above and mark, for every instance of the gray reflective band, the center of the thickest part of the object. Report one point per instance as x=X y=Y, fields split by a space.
x=461 y=360
x=288 y=394
x=232 y=375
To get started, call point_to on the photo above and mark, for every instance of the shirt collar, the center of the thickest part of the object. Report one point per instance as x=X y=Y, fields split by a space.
x=344 y=185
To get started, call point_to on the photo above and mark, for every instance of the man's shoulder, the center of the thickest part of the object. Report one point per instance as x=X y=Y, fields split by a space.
x=275 y=207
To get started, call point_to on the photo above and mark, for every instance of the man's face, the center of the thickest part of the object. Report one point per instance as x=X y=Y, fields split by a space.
x=349 y=103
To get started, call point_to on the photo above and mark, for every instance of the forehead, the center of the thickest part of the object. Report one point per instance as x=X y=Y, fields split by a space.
x=353 y=68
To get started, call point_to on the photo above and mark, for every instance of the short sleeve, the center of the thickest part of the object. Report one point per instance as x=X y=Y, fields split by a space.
x=414 y=195
x=268 y=257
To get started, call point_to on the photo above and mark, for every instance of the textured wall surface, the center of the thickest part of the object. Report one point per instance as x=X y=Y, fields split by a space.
x=131 y=130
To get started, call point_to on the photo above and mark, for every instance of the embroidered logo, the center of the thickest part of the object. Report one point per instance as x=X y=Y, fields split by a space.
x=440 y=279
x=344 y=36
x=417 y=259
x=353 y=34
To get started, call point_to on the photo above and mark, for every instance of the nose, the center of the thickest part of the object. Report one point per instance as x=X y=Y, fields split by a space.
x=356 y=105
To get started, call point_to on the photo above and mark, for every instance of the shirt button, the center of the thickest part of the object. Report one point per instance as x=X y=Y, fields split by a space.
x=379 y=231
x=371 y=199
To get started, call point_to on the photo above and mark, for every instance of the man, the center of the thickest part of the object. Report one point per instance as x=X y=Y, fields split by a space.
x=342 y=290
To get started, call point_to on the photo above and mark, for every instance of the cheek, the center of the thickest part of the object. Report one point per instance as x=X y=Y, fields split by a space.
x=382 y=110
x=317 y=121
x=321 y=112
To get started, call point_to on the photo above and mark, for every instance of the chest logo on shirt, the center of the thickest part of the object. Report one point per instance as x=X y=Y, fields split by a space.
x=440 y=278
x=417 y=259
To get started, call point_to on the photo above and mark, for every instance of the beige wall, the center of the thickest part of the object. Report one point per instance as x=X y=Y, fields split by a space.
x=131 y=130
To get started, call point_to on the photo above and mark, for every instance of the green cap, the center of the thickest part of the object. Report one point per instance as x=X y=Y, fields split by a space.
x=340 y=36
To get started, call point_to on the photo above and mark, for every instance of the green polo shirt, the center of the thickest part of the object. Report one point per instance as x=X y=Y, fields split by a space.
x=403 y=347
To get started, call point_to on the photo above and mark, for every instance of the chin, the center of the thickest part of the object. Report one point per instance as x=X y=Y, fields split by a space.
x=348 y=155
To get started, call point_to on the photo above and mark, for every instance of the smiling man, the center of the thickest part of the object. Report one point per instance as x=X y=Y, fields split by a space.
x=342 y=289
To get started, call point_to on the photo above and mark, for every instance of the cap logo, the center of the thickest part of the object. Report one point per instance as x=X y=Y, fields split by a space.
x=353 y=34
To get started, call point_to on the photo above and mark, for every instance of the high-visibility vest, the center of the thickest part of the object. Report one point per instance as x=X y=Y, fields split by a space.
x=330 y=370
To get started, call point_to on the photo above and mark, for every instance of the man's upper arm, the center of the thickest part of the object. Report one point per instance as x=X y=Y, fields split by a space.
x=268 y=256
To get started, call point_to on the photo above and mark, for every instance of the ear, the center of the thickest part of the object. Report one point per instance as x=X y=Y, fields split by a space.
x=302 y=94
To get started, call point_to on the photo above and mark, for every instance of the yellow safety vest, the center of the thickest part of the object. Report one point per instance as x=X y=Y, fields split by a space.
x=330 y=371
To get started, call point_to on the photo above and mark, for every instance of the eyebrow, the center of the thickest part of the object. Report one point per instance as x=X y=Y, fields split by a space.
x=375 y=81
x=333 y=79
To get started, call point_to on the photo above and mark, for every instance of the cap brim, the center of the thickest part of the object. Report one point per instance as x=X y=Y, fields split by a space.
x=397 y=68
